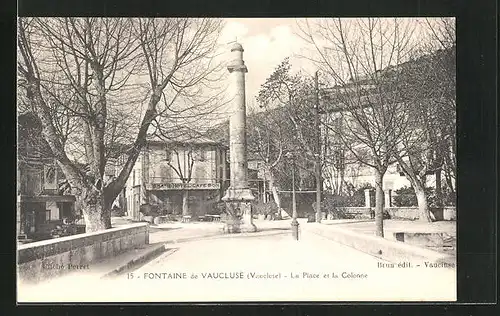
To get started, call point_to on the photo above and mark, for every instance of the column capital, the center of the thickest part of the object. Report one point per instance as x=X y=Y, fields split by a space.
x=241 y=68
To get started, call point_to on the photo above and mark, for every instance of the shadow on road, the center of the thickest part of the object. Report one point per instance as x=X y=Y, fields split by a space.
x=133 y=266
x=272 y=229
x=258 y=233
x=326 y=222
x=153 y=229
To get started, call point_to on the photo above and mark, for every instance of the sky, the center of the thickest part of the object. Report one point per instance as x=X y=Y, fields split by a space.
x=266 y=41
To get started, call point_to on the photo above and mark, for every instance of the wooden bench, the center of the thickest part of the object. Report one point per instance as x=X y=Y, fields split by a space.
x=213 y=218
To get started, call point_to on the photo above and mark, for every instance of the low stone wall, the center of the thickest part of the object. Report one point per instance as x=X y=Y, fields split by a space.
x=392 y=251
x=357 y=212
x=411 y=213
x=407 y=213
x=427 y=239
x=49 y=258
x=450 y=213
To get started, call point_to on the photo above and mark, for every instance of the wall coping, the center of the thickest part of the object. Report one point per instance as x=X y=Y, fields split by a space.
x=373 y=242
x=396 y=207
x=396 y=244
x=47 y=242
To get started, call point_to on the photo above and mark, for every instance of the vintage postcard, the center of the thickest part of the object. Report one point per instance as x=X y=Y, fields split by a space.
x=236 y=159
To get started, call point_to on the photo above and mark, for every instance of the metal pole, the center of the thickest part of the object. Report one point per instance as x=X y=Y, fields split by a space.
x=295 y=223
x=265 y=193
x=318 y=151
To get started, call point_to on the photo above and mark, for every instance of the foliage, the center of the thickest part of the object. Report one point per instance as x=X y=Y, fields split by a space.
x=331 y=202
x=339 y=213
x=150 y=210
x=217 y=208
x=31 y=144
x=449 y=197
x=63 y=230
x=117 y=211
x=359 y=195
x=406 y=197
x=261 y=208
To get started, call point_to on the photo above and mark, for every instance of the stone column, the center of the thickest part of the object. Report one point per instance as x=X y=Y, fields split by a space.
x=238 y=196
x=367 y=198
x=388 y=198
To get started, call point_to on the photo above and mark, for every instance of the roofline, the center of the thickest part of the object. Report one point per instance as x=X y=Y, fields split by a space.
x=176 y=142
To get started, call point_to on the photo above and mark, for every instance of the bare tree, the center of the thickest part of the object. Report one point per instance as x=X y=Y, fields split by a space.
x=289 y=103
x=442 y=46
x=109 y=68
x=183 y=151
x=184 y=173
x=427 y=90
x=353 y=53
x=266 y=140
x=430 y=136
x=336 y=159
x=293 y=94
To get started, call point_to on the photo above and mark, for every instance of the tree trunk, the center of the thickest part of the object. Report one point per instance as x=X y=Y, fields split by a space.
x=276 y=196
x=379 y=203
x=185 y=203
x=423 y=207
x=341 y=184
x=275 y=192
x=449 y=180
x=96 y=214
x=439 y=191
x=264 y=195
x=333 y=183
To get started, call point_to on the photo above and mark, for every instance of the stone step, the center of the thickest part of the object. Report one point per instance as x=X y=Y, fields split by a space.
x=132 y=259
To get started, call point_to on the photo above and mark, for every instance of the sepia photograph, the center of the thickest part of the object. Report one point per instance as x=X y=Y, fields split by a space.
x=211 y=160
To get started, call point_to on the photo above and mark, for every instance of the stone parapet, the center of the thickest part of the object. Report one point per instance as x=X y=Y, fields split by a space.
x=44 y=259
x=389 y=250
x=411 y=213
x=403 y=213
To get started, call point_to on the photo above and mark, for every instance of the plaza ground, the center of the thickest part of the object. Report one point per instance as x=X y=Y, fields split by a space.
x=203 y=265
x=176 y=231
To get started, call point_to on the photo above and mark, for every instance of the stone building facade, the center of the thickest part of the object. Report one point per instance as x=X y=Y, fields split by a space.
x=41 y=206
x=170 y=173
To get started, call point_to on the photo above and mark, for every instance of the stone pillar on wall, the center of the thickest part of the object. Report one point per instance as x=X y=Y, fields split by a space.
x=388 y=198
x=19 y=224
x=367 y=198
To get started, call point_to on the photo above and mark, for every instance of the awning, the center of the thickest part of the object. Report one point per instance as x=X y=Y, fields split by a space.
x=46 y=198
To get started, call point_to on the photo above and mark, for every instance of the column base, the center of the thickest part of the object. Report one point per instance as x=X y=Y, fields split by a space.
x=236 y=227
x=238 y=194
x=232 y=226
x=317 y=217
x=239 y=217
x=248 y=228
